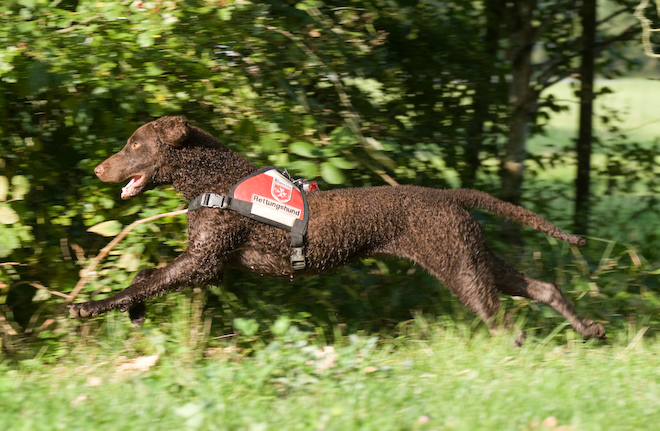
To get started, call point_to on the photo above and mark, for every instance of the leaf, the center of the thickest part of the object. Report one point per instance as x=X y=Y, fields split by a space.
x=341 y=163
x=8 y=215
x=193 y=413
x=224 y=14
x=145 y=39
x=41 y=295
x=304 y=149
x=280 y=326
x=169 y=19
x=130 y=261
x=272 y=142
x=247 y=327
x=4 y=188
x=99 y=91
x=152 y=69
x=9 y=241
x=343 y=137
x=190 y=409
x=106 y=228
x=332 y=174
x=26 y=26
x=306 y=168
x=21 y=186
x=246 y=127
x=306 y=4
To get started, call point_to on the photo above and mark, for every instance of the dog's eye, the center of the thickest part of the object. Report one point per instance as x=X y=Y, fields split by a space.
x=136 y=145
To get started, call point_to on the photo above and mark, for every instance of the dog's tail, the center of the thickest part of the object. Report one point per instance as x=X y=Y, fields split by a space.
x=477 y=199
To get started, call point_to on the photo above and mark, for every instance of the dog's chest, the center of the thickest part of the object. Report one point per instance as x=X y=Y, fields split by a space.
x=265 y=262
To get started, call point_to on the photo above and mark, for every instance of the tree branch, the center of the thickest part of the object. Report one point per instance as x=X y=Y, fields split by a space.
x=561 y=77
x=612 y=16
x=550 y=67
x=547 y=22
x=89 y=274
x=76 y=26
x=628 y=34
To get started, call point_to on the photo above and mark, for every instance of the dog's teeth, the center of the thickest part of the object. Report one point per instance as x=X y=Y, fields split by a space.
x=128 y=188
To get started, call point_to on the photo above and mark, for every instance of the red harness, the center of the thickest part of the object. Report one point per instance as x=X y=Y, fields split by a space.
x=270 y=197
x=275 y=198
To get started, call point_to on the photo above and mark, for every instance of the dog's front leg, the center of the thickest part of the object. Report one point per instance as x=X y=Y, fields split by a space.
x=138 y=311
x=188 y=269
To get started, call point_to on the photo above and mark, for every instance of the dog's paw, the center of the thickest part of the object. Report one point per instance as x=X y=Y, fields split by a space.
x=594 y=330
x=79 y=311
x=138 y=322
x=520 y=339
x=137 y=313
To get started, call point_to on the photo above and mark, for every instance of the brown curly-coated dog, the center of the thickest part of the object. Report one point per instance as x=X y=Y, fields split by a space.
x=430 y=227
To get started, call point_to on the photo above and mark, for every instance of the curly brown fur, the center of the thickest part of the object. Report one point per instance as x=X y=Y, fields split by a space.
x=428 y=226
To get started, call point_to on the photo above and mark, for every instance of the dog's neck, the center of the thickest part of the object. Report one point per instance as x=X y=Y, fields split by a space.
x=222 y=169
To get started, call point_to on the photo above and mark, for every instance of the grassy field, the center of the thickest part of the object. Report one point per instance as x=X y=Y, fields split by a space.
x=436 y=379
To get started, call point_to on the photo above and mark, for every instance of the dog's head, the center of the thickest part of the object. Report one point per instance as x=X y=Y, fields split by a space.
x=141 y=159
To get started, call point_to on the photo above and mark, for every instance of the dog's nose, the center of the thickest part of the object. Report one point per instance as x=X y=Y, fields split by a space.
x=98 y=170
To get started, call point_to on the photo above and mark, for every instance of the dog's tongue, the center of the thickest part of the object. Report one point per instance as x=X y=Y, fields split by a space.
x=129 y=189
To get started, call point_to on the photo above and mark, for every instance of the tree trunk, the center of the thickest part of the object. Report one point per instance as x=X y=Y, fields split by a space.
x=516 y=152
x=522 y=101
x=485 y=94
x=585 y=133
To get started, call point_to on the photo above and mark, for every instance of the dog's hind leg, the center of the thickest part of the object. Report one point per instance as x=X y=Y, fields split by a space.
x=478 y=291
x=473 y=287
x=480 y=295
x=455 y=252
x=515 y=283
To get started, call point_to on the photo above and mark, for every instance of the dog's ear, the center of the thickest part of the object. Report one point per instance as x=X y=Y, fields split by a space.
x=172 y=130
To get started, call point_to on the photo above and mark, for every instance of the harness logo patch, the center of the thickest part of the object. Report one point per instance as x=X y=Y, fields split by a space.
x=273 y=196
x=281 y=191
x=286 y=210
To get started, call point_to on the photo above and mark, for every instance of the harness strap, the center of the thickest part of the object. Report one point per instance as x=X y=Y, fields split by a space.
x=209 y=200
x=298 y=230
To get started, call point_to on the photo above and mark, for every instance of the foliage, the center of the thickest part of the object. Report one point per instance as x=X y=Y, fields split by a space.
x=13 y=232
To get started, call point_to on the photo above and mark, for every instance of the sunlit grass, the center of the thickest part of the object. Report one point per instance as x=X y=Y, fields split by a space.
x=437 y=377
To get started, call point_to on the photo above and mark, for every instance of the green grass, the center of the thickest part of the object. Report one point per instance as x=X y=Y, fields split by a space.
x=438 y=378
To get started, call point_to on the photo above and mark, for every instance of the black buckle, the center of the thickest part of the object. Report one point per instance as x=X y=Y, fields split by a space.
x=211 y=200
x=298 y=258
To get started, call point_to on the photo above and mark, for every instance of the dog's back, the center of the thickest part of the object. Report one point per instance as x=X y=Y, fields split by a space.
x=348 y=224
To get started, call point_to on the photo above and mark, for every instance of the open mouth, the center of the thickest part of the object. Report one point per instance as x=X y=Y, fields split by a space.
x=133 y=187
